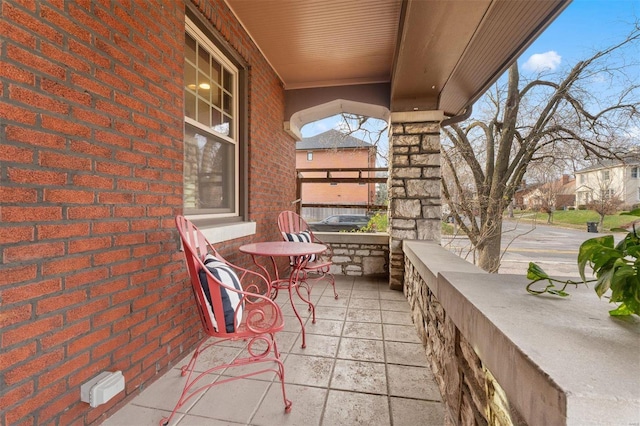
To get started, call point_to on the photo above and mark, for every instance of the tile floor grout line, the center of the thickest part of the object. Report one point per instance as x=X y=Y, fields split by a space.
x=386 y=369
x=335 y=358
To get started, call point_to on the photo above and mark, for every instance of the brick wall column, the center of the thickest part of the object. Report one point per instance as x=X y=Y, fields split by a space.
x=414 y=184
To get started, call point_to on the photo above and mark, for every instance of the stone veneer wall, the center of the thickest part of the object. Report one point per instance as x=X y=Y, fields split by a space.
x=481 y=329
x=414 y=186
x=470 y=393
x=358 y=254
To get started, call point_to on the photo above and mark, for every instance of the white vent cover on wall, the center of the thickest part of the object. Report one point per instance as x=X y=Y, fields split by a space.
x=102 y=388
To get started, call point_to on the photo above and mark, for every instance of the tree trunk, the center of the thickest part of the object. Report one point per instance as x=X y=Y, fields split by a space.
x=490 y=249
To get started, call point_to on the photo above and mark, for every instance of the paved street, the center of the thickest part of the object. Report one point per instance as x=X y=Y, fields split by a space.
x=554 y=249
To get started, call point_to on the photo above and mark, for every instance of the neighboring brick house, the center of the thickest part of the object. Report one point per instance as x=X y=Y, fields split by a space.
x=524 y=191
x=556 y=195
x=331 y=150
x=610 y=178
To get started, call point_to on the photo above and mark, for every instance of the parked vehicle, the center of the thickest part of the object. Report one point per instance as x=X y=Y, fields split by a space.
x=340 y=222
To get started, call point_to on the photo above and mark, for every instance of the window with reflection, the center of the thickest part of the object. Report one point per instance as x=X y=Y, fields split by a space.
x=211 y=175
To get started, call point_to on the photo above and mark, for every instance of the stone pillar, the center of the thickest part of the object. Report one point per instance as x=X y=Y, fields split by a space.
x=414 y=184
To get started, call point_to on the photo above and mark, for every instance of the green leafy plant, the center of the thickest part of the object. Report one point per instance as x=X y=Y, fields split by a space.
x=616 y=267
x=377 y=223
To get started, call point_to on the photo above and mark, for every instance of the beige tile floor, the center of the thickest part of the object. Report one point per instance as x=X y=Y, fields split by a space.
x=363 y=365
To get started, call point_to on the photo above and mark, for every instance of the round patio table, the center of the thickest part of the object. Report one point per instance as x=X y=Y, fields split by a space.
x=299 y=254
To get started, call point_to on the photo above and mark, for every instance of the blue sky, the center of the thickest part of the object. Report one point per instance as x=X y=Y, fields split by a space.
x=584 y=27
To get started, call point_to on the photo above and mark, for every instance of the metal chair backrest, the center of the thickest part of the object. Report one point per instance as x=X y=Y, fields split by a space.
x=196 y=247
x=291 y=223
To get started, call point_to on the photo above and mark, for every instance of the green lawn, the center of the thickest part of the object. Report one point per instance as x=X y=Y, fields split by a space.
x=577 y=219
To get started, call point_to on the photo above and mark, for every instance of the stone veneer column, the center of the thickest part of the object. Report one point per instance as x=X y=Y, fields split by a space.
x=414 y=184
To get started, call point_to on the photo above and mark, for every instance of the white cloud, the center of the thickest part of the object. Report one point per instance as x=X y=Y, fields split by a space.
x=539 y=62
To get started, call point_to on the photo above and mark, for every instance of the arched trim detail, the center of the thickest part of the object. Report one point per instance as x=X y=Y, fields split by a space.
x=328 y=109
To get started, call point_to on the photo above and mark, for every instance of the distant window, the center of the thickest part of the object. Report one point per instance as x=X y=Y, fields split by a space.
x=634 y=172
x=606 y=194
x=638 y=193
x=309 y=155
x=581 y=179
x=605 y=175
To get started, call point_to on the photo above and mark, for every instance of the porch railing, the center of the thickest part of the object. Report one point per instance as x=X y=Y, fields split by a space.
x=356 y=175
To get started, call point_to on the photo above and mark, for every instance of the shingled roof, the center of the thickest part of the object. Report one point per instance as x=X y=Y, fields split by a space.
x=331 y=139
x=631 y=160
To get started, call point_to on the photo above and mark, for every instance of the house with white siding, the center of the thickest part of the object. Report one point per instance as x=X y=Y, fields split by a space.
x=608 y=179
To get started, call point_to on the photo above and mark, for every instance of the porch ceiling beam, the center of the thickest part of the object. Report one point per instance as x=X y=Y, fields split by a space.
x=433 y=36
x=450 y=52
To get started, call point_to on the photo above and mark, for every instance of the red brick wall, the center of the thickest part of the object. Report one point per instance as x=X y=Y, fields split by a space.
x=91 y=127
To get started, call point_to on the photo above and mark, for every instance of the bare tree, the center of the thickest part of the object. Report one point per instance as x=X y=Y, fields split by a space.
x=369 y=129
x=606 y=205
x=531 y=121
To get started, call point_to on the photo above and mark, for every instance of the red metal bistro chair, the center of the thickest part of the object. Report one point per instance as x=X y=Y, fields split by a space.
x=233 y=304
x=295 y=228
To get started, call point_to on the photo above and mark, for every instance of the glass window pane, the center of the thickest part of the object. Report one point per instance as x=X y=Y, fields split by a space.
x=190 y=48
x=190 y=77
x=189 y=104
x=227 y=125
x=204 y=86
x=215 y=118
x=204 y=59
x=204 y=115
x=208 y=172
x=228 y=81
x=227 y=103
x=215 y=72
x=216 y=96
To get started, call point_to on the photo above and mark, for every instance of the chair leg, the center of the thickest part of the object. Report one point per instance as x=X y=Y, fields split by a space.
x=287 y=402
x=332 y=280
x=187 y=370
x=308 y=301
x=194 y=386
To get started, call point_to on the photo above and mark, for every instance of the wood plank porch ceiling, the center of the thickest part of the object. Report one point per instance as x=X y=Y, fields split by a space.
x=434 y=54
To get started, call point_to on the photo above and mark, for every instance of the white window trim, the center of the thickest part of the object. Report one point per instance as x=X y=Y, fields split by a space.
x=200 y=37
x=231 y=231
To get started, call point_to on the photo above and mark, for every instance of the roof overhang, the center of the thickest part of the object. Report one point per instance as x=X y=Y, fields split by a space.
x=403 y=55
